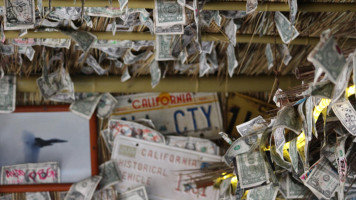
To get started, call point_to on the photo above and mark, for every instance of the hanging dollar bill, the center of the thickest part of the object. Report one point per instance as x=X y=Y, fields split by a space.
x=251 y=169
x=293 y=7
x=251 y=6
x=327 y=55
x=346 y=114
x=56 y=43
x=240 y=146
x=203 y=65
x=91 y=61
x=164 y=47
x=230 y=30
x=342 y=80
x=104 y=12
x=290 y=188
x=285 y=29
x=7 y=94
x=323 y=180
x=7 y=49
x=269 y=56
x=225 y=189
x=293 y=153
x=137 y=193
x=131 y=58
x=155 y=72
x=288 y=118
x=83 y=38
x=284 y=53
x=125 y=75
x=231 y=59
x=169 y=30
x=123 y=4
x=107 y=194
x=193 y=143
x=267 y=192
x=254 y=125
x=31 y=173
x=279 y=140
x=83 y=189
x=85 y=107
x=19 y=14
x=168 y=12
x=38 y=196
x=106 y=105
x=110 y=174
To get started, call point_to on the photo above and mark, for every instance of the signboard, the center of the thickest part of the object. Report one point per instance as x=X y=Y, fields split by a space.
x=193 y=114
x=243 y=108
x=158 y=167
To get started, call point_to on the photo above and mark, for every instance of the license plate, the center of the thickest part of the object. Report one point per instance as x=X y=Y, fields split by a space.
x=193 y=114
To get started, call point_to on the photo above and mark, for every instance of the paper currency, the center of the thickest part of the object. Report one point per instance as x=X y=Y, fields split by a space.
x=207 y=47
x=193 y=143
x=327 y=55
x=155 y=72
x=104 y=12
x=107 y=194
x=83 y=38
x=251 y=6
x=125 y=75
x=276 y=158
x=269 y=56
x=203 y=65
x=225 y=137
x=7 y=197
x=251 y=169
x=254 y=125
x=293 y=7
x=321 y=89
x=284 y=53
x=323 y=180
x=30 y=53
x=293 y=153
x=91 y=61
x=168 y=12
x=58 y=85
x=164 y=47
x=267 y=192
x=285 y=29
x=230 y=30
x=19 y=14
x=135 y=130
x=225 y=189
x=83 y=189
x=6 y=49
x=30 y=173
x=64 y=13
x=106 y=105
x=342 y=80
x=279 y=140
x=110 y=174
x=85 y=107
x=288 y=118
x=179 y=44
x=138 y=193
x=233 y=14
x=38 y=196
x=231 y=59
x=208 y=16
x=7 y=94
x=169 y=30
x=290 y=188
x=123 y=4
x=241 y=145
x=131 y=58
x=108 y=138
x=56 y=43
x=346 y=114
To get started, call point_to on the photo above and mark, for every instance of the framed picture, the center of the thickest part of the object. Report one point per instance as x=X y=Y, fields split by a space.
x=46 y=134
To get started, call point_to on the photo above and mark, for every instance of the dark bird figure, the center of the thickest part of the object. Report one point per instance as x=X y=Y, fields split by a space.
x=34 y=144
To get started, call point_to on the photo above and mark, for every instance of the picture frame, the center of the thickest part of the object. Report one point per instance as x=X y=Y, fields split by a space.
x=62 y=113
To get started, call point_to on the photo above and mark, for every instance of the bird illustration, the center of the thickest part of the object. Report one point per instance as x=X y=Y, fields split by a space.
x=34 y=144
